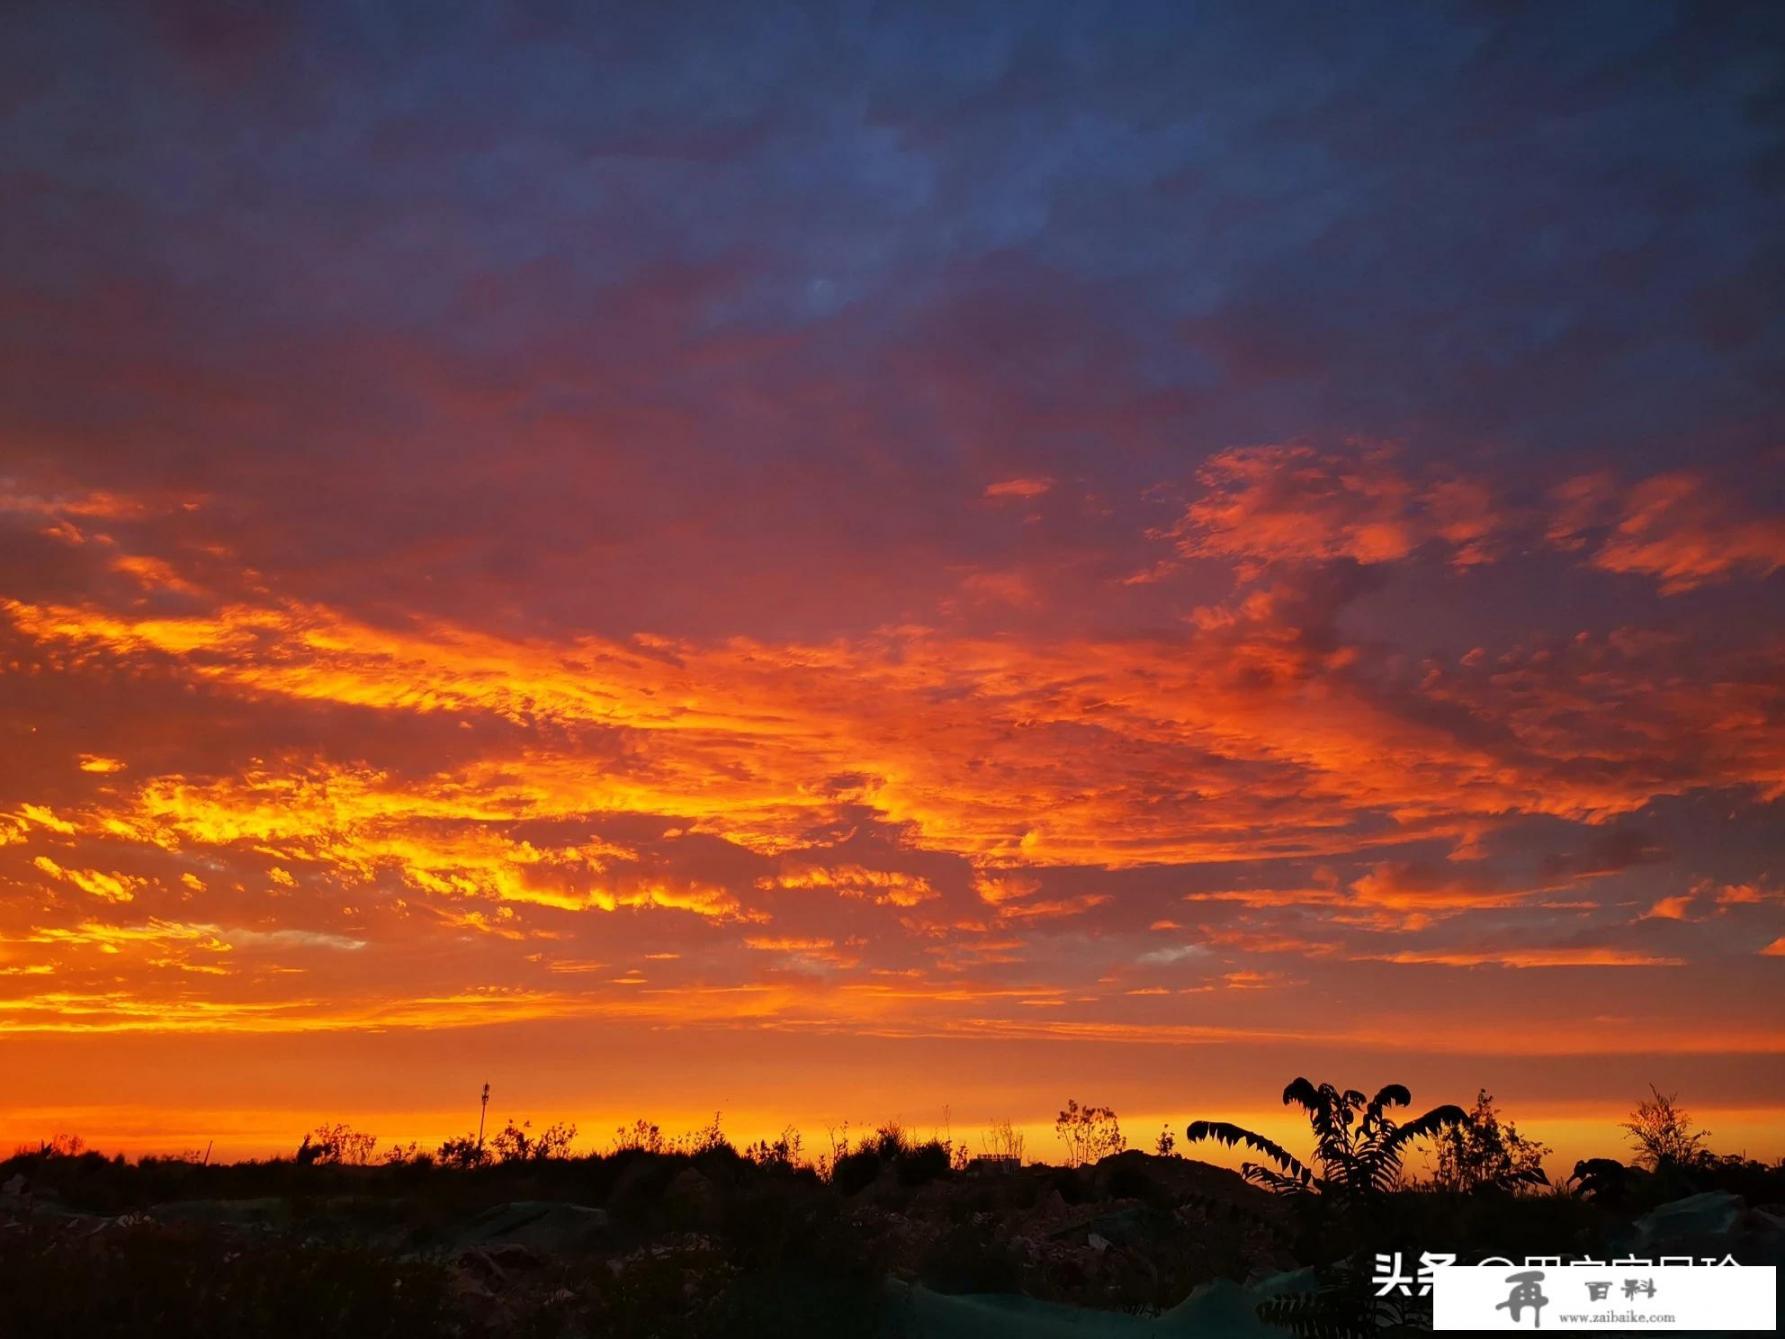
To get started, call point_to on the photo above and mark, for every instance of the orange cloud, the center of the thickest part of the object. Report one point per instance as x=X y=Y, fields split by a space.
x=1293 y=503
x=1246 y=980
x=97 y=883
x=152 y=573
x=1024 y=488
x=740 y=739
x=673 y=830
x=1746 y=894
x=1673 y=527
x=998 y=889
x=1670 y=908
x=887 y=887
x=1052 y=908
x=88 y=505
x=1422 y=888
x=1531 y=957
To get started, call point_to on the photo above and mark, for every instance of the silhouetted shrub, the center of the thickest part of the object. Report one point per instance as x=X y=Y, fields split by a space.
x=722 y=1163
x=1664 y=1135
x=781 y=1154
x=889 y=1141
x=1481 y=1154
x=517 y=1143
x=1755 y=1181
x=855 y=1172
x=641 y=1136
x=708 y=1139
x=923 y=1163
x=1619 y=1187
x=463 y=1152
x=1132 y=1181
x=337 y=1143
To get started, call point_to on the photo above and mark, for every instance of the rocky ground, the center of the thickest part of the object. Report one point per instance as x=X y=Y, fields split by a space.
x=677 y=1246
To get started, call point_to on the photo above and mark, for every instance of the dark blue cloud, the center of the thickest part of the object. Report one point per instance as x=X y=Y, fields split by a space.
x=821 y=244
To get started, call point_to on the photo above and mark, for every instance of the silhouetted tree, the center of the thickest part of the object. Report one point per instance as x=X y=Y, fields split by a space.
x=1003 y=1140
x=1357 y=1156
x=1481 y=1153
x=1662 y=1133
x=1089 y=1133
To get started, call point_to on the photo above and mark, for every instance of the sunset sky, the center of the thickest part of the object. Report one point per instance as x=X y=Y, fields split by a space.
x=830 y=563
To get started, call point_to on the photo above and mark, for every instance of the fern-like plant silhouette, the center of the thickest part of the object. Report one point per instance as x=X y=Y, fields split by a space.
x=1358 y=1145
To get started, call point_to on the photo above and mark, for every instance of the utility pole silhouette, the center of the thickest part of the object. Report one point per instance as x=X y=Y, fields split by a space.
x=483 y=1111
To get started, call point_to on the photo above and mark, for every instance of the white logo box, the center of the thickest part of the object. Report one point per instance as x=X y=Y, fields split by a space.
x=1632 y=1298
